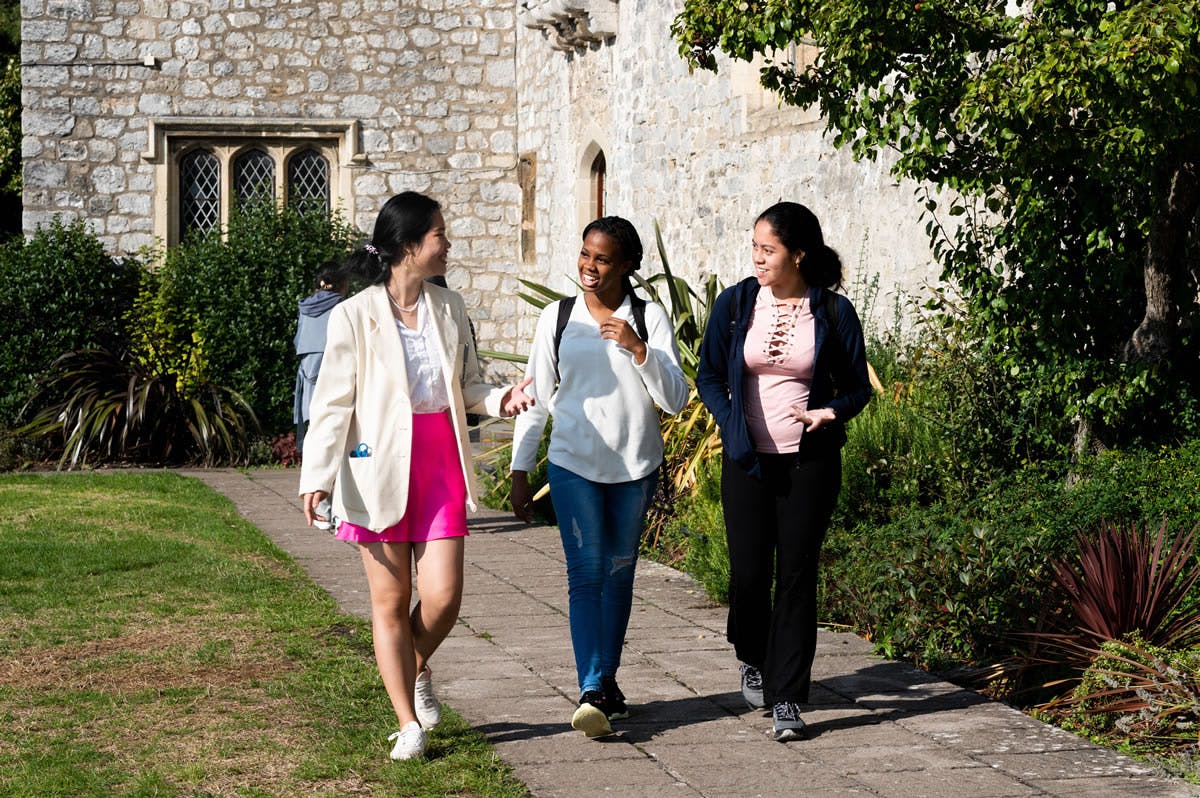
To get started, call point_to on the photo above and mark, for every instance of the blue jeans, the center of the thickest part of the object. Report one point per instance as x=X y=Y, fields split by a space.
x=601 y=529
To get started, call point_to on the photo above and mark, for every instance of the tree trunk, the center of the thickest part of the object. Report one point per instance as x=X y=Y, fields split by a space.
x=1153 y=342
x=1154 y=339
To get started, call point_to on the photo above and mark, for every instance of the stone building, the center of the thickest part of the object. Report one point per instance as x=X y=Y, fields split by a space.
x=149 y=117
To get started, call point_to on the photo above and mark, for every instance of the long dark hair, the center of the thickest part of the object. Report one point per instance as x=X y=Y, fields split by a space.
x=402 y=222
x=799 y=230
x=628 y=241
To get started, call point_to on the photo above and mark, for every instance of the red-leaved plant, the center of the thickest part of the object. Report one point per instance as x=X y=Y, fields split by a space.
x=1126 y=580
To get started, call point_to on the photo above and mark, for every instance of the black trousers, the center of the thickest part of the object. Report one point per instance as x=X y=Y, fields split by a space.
x=775 y=527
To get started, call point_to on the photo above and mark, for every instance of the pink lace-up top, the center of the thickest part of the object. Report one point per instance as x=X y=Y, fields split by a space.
x=779 y=368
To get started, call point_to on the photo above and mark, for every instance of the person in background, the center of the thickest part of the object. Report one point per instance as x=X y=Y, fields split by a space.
x=782 y=369
x=388 y=439
x=604 y=368
x=330 y=288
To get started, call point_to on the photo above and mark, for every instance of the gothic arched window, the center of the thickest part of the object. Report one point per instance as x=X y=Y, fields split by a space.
x=254 y=176
x=199 y=193
x=599 y=173
x=308 y=179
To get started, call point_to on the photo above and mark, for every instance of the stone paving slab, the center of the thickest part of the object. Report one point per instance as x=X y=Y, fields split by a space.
x=878 y=728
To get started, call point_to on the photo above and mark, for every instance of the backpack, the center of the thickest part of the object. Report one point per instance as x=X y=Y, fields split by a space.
x=636 y=304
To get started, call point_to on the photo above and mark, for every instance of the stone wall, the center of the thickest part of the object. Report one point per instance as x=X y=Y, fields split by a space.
x=431 y=85
x=448 y=94
x=702 y=154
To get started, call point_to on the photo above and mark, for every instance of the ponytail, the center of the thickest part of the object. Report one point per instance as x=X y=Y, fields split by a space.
x=797 y=227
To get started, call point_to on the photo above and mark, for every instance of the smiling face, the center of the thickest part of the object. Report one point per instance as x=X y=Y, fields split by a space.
x=775 y=266
x=430 y=256
x=602 y=265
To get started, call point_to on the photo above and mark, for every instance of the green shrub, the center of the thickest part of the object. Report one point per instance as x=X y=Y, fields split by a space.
x=957 y=583
x=695 y=535
x=18 y=451
x=1056 y=500
x=895 y=457
x=933 y=587
x=10 y=126
x=62 y=293
x=242 y=291
x=1142 y=697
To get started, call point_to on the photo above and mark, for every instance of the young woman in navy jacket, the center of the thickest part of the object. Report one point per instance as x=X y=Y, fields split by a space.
x=782 y=369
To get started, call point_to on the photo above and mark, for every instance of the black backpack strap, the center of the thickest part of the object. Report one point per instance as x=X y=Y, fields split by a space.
x=831 y=315
x=638 y=306
x=564 y=315
x=834 y=335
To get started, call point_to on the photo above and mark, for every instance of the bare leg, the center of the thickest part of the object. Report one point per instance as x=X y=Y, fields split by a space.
x=440 y=585
x=389 y=576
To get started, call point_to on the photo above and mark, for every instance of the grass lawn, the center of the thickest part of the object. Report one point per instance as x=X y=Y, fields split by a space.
x=153 y=643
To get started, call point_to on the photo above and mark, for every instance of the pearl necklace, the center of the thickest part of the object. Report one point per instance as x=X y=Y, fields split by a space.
x=403 y=308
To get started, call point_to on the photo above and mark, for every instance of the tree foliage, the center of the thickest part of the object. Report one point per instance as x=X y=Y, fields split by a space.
x=238 y=293
x=10 y=125
x=10 y=112
x=1060 y=147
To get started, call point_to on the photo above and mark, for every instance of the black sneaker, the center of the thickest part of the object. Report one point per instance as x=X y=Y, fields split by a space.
x=752 y=687
x=589 y=718
x=614 y=700
x=788 y=725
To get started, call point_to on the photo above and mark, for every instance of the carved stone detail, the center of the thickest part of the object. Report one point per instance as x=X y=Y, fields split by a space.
x=572 y=24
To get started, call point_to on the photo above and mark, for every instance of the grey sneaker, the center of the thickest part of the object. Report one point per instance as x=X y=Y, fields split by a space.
x=788 y=725
x=325 y=510
x=752 y=689
x=410 y=741
x=429 y=709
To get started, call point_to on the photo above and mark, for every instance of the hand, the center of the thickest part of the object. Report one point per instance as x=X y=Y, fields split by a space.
x=516 y=400
x=309 y=502
x=813 y=419
x=521 y=497
x=619 y=330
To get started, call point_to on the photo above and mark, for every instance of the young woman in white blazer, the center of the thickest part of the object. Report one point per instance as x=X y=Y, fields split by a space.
x=388 y=439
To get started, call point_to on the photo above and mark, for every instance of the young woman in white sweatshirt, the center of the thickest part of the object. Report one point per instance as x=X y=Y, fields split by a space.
x=601 y=382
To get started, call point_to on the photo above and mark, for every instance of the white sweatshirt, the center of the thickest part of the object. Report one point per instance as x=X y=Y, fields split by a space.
x=605 y=426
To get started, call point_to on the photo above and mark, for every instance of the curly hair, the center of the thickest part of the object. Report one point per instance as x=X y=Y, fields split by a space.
x=621 y=231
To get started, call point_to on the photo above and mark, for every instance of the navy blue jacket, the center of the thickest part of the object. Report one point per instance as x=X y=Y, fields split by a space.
x=840 y=378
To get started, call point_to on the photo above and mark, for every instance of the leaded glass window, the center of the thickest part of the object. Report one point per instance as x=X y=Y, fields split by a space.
x=200 y=192
x=209 y=178
x=254 y=177
x=308 y=179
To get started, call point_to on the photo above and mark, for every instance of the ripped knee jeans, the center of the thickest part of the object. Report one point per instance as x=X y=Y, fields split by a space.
x=601 y=529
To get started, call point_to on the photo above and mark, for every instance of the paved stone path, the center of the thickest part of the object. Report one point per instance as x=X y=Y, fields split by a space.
x=879 y=728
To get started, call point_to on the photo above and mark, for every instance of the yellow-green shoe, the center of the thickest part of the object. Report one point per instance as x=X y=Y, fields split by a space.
x=589 y=718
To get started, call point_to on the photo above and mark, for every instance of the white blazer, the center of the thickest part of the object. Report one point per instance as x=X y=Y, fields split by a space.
x=362 y=397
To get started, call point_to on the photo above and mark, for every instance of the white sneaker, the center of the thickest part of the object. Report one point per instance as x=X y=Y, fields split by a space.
x=410 y=741
x=429 y=709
